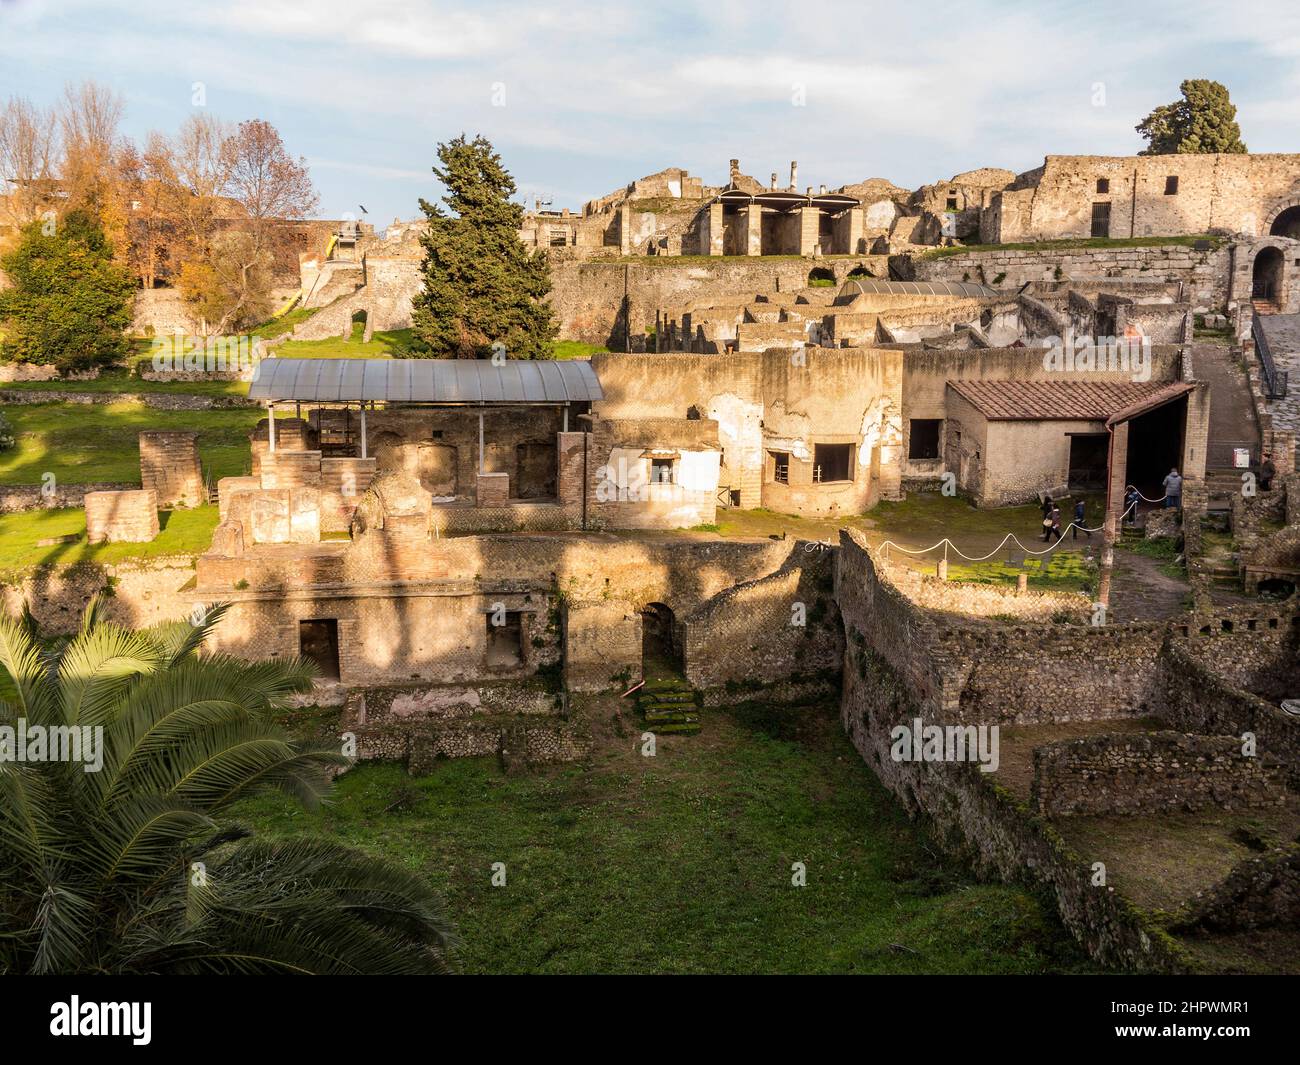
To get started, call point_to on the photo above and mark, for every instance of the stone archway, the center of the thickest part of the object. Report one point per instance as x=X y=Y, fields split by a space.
x=1284 y=221
x=1266 y=274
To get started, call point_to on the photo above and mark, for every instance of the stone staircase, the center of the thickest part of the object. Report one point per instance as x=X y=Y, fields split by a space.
x=669 y=706
x=1265 y=306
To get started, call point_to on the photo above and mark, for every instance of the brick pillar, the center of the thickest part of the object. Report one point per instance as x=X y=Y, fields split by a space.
x=714 y=243
x=751 y=224
x=1116 y=483
x=809 y=229
x=169 y=467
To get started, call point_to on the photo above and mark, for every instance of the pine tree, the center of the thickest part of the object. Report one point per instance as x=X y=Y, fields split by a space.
x=1203 y=122
x=70 y=303
x=482 y=286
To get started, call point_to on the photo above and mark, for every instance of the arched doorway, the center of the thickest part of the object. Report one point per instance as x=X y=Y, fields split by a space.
x=661 y=654
x=1266 y=276
x=1287 y=223
x=821 y=277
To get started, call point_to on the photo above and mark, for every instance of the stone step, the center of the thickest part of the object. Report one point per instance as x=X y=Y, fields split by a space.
x=666 y=698
x=682 y=729
x=672 y=717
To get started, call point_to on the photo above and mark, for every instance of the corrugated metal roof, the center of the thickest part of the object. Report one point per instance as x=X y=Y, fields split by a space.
x=968 y=289
x=473 y=381
x=1064 y=400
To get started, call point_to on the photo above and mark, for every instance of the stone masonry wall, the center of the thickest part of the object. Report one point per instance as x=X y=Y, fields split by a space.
x=1204 y=274
x=1155 y=772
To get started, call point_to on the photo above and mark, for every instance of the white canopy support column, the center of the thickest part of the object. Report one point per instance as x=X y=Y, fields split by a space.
x=365 y=454
x=480 y=440
x=566 y=419
x=270 y=426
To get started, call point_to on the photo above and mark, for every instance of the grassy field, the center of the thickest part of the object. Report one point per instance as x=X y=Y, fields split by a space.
x=86 y=443
x=681 y=863
x=182 y=532
x=1079 y=243
x=390 y=345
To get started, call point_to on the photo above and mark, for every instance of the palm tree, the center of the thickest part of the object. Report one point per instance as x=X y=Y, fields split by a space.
x=134 y=868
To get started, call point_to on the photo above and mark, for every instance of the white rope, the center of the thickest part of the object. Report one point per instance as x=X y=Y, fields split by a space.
x=947 y=543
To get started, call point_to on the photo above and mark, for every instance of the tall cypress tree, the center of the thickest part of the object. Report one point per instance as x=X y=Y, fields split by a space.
x=482 y=286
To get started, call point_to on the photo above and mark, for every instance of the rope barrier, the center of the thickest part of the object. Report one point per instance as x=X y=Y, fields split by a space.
x=946 y=543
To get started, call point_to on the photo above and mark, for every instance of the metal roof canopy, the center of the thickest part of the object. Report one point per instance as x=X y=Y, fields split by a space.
x=451 y=382
x=870 y=285
x=786 y=199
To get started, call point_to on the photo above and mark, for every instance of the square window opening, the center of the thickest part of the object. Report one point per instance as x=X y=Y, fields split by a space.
x=661 y=471
x=1103 y=184
x=1171 y=185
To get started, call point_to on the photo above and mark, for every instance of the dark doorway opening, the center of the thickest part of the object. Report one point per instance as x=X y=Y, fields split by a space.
x=505 y=639
x=1101 y=219
x=535 y=470
x=832 y=462
x=820 y=276
x=1266 y=276
x=923 y=438
x=660 y=645
x=1155 y=446
x=1088 y=457
x=1287 y=224
x=318 y=641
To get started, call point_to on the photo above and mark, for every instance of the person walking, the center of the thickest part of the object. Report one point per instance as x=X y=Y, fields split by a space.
x=1173 y=489
x=1267 y=471
x=1079 y=512
x=1131 y=499
x=1054 y=524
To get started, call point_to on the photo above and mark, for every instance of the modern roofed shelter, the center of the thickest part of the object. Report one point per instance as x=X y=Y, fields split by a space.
x=479 y=383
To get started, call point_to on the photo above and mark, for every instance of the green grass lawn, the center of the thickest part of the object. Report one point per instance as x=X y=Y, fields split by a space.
x=681 y=863
x=1072 y=244
x=383 y=345
x=577 y=349
x=182 y=532
x=82 y=443
x=119 y=380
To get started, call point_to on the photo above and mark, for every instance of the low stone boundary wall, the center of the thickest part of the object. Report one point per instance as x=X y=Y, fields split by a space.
x=16 y=498
x=1151 y=773
x=11 y=397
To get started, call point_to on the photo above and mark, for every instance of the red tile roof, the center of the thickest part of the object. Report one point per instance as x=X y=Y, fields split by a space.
x=1062 y=400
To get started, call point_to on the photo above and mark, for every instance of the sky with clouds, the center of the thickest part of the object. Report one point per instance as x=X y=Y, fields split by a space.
x=581 y=97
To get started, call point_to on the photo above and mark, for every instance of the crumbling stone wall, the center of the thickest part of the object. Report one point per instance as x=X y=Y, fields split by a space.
x=1261 y=892
x=1154 y=772
x=781 y=625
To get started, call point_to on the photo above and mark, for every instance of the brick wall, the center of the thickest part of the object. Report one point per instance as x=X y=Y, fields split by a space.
x=169 y=467
x=121 y=517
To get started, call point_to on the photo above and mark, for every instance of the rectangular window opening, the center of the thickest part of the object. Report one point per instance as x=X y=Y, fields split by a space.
x=1103 y=185
x=923 y=438
x=1171 y=185
x=505 y=638
x=832 y=462
x=781 y=467
x=318 y=641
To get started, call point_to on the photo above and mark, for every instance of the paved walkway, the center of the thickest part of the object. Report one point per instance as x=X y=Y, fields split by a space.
x=1283 y=334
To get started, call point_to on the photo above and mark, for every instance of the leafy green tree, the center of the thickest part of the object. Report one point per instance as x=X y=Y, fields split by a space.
x=482 y=286
x=135 y=867
x=1203 y=122
x=70 y=303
